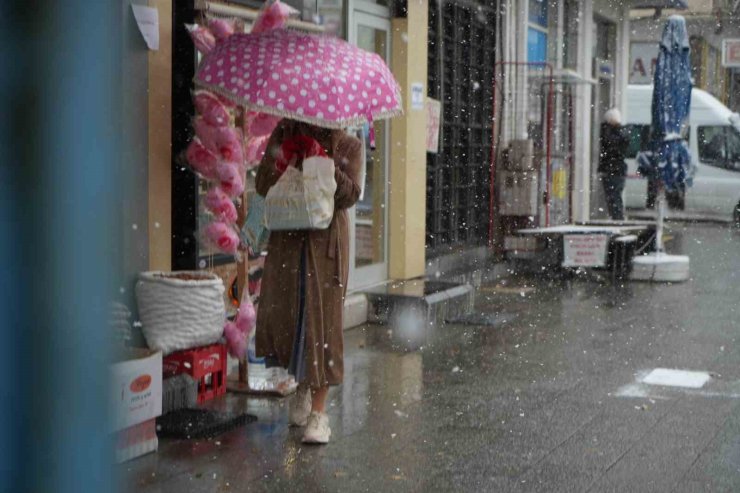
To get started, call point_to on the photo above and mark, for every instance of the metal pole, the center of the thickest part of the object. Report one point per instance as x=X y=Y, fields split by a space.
x=659 y=247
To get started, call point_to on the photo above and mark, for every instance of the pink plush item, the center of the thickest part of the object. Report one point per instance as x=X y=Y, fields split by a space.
x=202 y=160
x=236 y=341
x=221 y=205
x=221 y=28
x=246 y=319
x=260 y=124
x=273 y=16
x=225 y=141
x=223 y=237
x=237 y=332
x=257 y=128
x=255 y=150
x=211 y=108
x=202 y=37
x=231 y=178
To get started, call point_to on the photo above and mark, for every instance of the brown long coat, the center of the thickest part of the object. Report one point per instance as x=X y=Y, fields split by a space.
x=327 y=266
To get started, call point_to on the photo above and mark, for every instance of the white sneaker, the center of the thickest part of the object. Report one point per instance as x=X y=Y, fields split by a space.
x=317 y=429
x=300 y=407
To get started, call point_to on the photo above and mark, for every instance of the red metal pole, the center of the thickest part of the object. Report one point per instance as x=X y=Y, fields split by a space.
x=548 y=138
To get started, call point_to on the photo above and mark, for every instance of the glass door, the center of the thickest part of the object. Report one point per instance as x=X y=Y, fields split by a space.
x=368 y=233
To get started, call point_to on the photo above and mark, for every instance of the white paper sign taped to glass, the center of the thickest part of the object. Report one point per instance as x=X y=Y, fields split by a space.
x=585 y=250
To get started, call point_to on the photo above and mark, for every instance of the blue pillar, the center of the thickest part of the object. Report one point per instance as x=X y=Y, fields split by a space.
x=60 y=215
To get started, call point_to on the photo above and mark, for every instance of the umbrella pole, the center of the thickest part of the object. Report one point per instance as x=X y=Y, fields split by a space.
x=659 y=247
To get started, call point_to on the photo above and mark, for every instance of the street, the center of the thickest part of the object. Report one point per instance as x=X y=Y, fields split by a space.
x=547 y=399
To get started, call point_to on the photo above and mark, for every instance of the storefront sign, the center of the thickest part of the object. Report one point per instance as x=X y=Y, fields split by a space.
x=731 y=53
x=417 y=96
x=643 y=59
x=434 y=111
x=584 y=250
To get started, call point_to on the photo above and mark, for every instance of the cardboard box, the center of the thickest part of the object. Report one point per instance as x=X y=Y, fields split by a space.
x=136 y=440
x=135 y=387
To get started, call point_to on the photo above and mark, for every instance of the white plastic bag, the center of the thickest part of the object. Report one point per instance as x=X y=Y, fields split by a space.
x=302 y=200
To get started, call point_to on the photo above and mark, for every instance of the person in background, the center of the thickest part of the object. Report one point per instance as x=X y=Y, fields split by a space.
x=612 y=168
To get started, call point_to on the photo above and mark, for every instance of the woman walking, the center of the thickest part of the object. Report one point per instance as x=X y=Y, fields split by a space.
x=305 y=281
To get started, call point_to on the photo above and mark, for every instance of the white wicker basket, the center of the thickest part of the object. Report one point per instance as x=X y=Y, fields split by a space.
x=180 y=310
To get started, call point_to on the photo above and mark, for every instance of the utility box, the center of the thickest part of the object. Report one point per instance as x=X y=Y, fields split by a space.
x=521 y=155
x=518 y=193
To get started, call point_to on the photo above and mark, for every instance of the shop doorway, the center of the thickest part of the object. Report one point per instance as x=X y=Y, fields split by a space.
x=369 y=218
x=604 y=50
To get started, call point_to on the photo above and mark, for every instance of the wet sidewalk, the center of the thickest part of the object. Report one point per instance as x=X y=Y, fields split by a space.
x=547 y=399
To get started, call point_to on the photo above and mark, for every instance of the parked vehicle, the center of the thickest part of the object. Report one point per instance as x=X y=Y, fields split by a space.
x=714 y=141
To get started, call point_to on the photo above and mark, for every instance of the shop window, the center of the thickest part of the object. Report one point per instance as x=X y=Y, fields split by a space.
x=536 y=45
x=538 y=12
x=571 y=27
x=537 y=31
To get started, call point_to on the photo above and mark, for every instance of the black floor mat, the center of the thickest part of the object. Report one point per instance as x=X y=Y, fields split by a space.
x=199 y=423
x=484 y=319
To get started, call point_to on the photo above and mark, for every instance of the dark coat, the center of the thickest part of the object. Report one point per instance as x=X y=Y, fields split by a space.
x=613 y=144
x=327 y=266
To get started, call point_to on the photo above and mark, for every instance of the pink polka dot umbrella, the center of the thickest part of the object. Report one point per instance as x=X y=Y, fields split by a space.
x=315 y=79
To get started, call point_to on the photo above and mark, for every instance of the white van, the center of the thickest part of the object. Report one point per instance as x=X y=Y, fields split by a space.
x=714 y=141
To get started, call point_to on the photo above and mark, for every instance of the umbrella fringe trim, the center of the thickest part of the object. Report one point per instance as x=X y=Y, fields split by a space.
x=346 y=122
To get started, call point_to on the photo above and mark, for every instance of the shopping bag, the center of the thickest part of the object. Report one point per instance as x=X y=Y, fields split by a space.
x=302 y=199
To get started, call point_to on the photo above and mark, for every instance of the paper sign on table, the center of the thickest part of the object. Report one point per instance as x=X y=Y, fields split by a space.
x=147 y=18
x=584 y=250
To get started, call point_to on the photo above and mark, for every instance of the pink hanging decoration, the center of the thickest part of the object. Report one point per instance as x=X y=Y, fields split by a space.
x=259 y=126
x=246 y=319
x=223 y=237
x=273 y=16
x=202 y=37
x=221 y=205
x=237 y=332
x=221 y=28
x=212 y=109
x=230 y=176
x=225 y=141
x=255 y=150
x=201 y=159
x=236 y=343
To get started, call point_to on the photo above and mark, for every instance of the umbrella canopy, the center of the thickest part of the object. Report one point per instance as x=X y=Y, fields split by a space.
x=315 y=79
x=671 y=103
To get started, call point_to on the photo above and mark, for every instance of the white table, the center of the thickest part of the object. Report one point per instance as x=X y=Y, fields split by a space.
x=620 y=252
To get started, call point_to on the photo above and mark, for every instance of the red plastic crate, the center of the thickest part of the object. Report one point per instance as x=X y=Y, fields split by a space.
x=207 y=365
